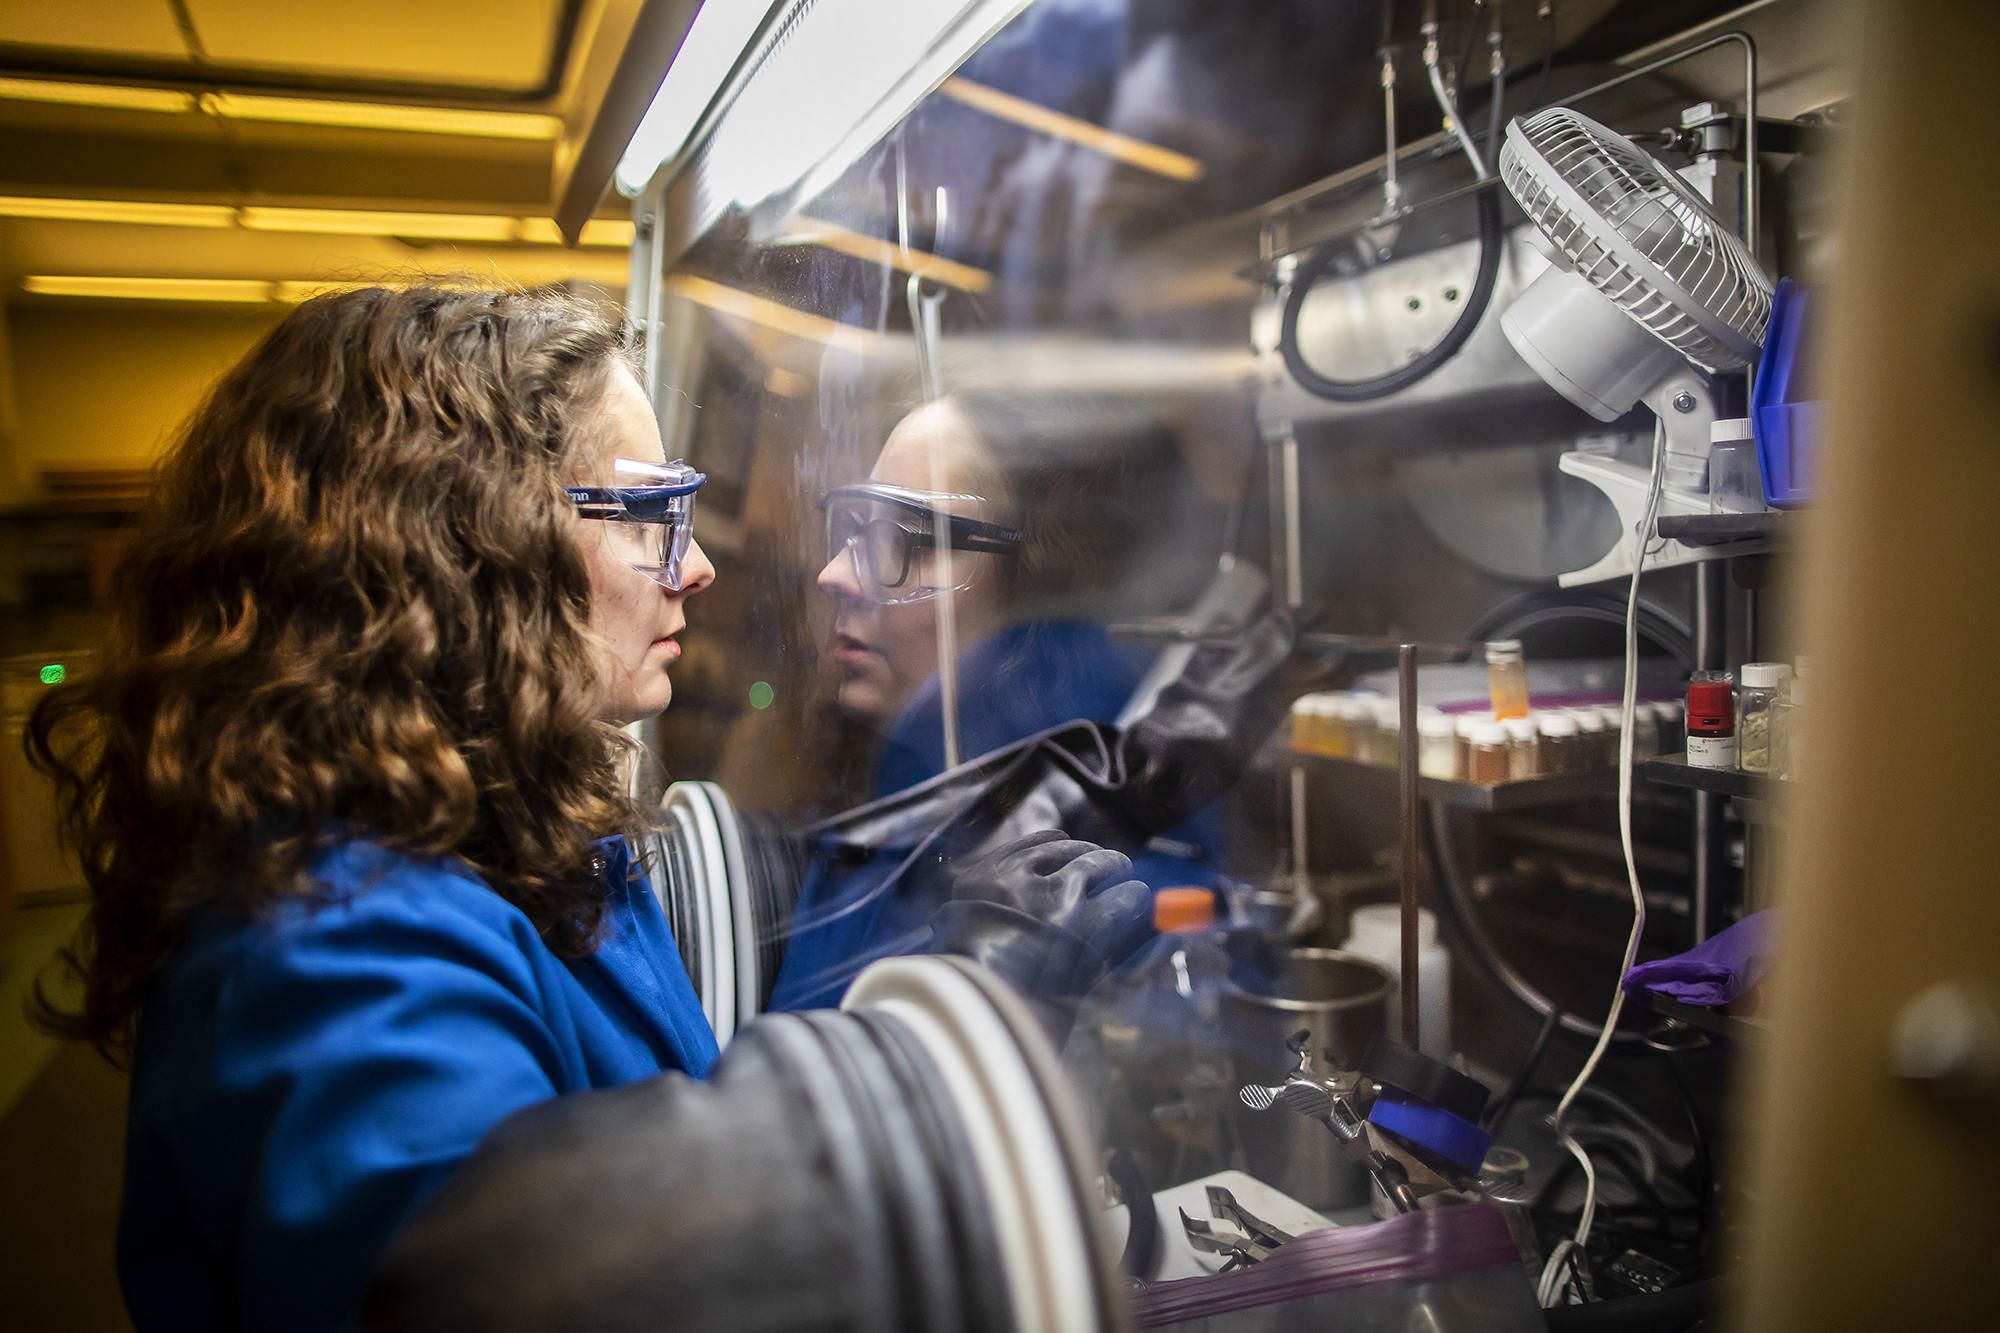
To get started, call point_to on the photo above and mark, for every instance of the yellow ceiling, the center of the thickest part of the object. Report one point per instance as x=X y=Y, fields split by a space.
x=494 y=44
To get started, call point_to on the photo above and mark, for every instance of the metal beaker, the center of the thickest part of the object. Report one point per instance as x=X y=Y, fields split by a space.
x=1342 y=1005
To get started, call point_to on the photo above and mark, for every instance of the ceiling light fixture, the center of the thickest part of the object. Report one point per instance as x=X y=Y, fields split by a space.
x=118 y=210
x=153 y=289
x=290 y=110
x=714 y=44
x=1034 y=116
x=772 y=314
x=494 y=228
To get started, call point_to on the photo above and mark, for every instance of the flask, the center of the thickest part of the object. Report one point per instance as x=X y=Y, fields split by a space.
x=1755 y=711
x=1711 y=720
x=1437 y=745
x=1559 y=741
x=1148 y=1050
x=1487 y=761
x=1523 y=759
x=1375 y=932
x=1507 y=679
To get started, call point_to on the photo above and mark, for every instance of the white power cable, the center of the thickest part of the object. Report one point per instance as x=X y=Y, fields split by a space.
x=1640 y=537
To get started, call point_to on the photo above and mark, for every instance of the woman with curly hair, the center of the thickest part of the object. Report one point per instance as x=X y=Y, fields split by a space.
x=348 y=788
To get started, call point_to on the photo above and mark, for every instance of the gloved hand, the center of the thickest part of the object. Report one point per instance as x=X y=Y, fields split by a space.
x=1047 y=912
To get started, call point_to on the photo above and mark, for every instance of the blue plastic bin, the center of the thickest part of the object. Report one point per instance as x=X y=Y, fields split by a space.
x=1787 y=432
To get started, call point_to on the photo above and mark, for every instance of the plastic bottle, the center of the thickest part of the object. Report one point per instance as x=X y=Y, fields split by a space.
x=1711 y=720
x=1437 y=745
x=1756 y=710
x=1149 y=1050
x=1507 y=678
x=1523 y=748
x=1376 y=933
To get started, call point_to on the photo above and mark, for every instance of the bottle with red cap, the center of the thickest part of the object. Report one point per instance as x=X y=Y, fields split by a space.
x=1711 y=720
x=1149 y=1052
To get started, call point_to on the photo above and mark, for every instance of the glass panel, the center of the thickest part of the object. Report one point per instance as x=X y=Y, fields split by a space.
x=1006 y=478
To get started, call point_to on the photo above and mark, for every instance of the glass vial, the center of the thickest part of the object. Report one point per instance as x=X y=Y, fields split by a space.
x=1507 y=678
x=1645 y=733
x=1711 y=720
x=1558 y=743
x=1523 y=759
x=1789 y=713
x=1437 y=745
x=1388 y=732
x=1359 y=714
x=1590 y=734
x=1756 y=705
x=1488 y=753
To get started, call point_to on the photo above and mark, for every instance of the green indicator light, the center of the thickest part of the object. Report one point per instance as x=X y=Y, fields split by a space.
x=53 y=674
x=761 y=695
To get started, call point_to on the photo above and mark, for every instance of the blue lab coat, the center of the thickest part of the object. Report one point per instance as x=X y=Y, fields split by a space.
x=1018 y=683
x=305 y=1078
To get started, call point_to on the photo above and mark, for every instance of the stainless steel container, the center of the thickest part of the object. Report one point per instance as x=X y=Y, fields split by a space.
x=1342 y=1005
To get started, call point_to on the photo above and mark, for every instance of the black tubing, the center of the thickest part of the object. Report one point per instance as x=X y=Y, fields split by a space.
x=1142 y=1235
x=1669 y=1311
x=1491 y=243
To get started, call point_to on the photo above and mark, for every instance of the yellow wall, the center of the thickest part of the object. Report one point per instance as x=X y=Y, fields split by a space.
x=106 y=385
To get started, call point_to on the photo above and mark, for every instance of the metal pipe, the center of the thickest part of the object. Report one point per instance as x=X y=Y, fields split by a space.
x=1752 y=194
x=1392 y=192
x=1406 y=775
x=1445 y=102
x=1294 y=558
x=1301 y=884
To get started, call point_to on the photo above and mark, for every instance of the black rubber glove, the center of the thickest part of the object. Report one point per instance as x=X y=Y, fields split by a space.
x=1048 y=913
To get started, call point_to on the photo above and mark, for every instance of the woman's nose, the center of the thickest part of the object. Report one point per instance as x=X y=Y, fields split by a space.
x=841 y=577
x=696 y=571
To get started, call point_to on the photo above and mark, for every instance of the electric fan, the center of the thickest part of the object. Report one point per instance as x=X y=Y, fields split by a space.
x=1648 y=294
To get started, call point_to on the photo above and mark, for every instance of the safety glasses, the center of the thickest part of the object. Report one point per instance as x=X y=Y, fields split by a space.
x=651 y=511
x=892 y=534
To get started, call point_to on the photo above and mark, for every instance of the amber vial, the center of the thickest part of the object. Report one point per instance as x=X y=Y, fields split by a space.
x=1507 y=678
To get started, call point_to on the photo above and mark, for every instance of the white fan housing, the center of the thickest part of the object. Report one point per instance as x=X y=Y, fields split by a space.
x=1646 y=280
x=1647 y=294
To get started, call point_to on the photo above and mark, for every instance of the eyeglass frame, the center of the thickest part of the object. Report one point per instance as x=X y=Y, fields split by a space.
x=648 y=504
x=965 y=534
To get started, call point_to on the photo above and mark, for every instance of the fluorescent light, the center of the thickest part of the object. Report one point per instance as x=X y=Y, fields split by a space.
x=358 y=222
x=877 y=251
x=493 y=228
x=710 y=51
x=152 y=289
x=118 y=210
x=383 y=116
x=291 y=110
x=95 y=94
x=1032 y=115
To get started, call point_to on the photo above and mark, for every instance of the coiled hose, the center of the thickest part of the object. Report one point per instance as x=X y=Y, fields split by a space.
x=1491 y=243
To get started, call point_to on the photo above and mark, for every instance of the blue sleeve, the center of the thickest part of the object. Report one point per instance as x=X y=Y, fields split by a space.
x=360 y=1050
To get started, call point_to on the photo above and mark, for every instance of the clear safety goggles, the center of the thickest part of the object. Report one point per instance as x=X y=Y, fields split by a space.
x=892 y=534
x=651 y=511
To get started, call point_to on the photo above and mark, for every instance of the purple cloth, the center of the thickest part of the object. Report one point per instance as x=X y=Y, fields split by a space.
x=1715 y=971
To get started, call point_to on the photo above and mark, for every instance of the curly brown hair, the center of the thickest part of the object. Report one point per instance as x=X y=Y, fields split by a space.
x=356 y=601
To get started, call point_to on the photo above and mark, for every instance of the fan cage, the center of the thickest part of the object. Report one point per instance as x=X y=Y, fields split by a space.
x=1639 y=209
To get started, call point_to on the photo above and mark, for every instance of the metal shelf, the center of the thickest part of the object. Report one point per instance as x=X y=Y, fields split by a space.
x=1773 y=525
x=1673 y=770
x=1556 y=789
